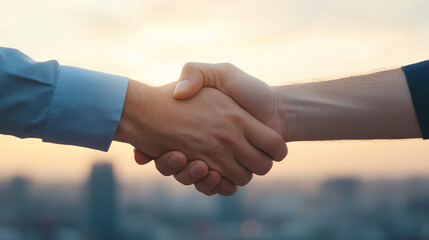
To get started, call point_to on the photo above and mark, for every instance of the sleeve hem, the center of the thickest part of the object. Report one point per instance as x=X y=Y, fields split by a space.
x=418 y=83
x=86 y=108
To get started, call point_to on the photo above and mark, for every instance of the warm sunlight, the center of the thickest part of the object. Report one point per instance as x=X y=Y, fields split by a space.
x=279 y=42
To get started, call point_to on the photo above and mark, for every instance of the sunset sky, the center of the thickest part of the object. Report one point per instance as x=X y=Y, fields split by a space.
x=278 y=41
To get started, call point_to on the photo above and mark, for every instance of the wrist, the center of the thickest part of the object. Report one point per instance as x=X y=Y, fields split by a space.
x=287 y=112
x=126 y=131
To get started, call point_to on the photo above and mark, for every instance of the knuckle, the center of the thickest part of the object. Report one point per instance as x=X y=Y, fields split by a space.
x=227 y=66
x=189 y=66
x=226 y=138
x=235 y=117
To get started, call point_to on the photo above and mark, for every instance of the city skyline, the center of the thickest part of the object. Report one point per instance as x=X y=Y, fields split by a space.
x=337 y=208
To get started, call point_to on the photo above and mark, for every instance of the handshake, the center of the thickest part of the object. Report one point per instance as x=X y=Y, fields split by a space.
x=215 y=137
x=218 y=126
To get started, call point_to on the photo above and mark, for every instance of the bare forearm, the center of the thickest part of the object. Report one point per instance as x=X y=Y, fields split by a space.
x=136 y=92
x=374 y=106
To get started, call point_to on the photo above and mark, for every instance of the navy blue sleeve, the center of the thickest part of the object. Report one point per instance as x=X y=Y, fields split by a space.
x=418 y=82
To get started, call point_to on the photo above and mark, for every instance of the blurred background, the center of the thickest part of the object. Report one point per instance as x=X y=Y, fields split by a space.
x=322 y=190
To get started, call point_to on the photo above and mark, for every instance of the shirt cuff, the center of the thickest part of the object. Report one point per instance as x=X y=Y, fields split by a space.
x=86 y=108
x=418 y=82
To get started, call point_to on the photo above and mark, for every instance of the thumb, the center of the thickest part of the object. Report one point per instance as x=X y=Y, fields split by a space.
x=141 y=158
x=190 y=81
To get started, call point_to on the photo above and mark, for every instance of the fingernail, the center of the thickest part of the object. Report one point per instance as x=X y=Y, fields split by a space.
x=174 y=162
x=196 y=171
x=182 y=86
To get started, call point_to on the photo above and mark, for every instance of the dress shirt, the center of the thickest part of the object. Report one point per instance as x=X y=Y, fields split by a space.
x=59 y=104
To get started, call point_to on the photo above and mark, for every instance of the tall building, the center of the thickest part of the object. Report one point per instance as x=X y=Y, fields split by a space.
x=102 y=203
x=230 y=208
x=340 y=196
x=417 y=194
x=18 y=200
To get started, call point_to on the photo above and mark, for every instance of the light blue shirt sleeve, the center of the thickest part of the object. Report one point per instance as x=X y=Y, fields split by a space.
x=59 y=104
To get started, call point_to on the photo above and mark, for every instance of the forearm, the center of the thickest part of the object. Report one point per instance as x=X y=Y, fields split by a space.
x=374 y=106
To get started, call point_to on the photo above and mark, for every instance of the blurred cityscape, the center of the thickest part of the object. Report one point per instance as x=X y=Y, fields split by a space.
x=103 y=209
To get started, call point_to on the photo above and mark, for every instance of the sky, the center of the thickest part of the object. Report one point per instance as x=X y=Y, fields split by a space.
x=278 y=41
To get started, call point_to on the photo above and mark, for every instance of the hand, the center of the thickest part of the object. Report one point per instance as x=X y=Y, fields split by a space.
x=210 y=127
x=251 y=93
x=196 y=172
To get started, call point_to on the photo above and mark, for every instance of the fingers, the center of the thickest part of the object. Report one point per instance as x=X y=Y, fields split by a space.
x=190 y=81
x=197 y=75
x=170 y=163
x=196 y=172
x=175 y=162
x=226 y=188
x=266 y=139
x=192 y=172
x=141 y=158
x=207 y=184
x=213 y=183
x=231 y=170
x=253 y=159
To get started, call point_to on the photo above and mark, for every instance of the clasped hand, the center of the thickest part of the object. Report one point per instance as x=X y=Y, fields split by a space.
x=215 y=137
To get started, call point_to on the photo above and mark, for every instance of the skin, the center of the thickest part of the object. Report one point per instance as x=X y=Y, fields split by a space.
x=211 y=130
x=372 y=106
